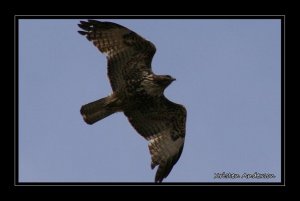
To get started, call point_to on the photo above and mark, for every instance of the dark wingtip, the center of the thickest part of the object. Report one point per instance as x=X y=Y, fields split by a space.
x=86 y=27
x=82 y=32
x=94 y=21
x=84 y=23
x=158 y=180
x=164 y=169
x=160 y=175
x=152 y=165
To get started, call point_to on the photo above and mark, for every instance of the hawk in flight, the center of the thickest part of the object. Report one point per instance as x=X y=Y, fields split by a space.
x=137 y=92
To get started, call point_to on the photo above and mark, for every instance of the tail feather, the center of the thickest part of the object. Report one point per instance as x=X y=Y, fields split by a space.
x=99 y=109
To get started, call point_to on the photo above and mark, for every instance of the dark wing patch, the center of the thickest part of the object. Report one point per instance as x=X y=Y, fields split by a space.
x=162 y=123
x=124 y=50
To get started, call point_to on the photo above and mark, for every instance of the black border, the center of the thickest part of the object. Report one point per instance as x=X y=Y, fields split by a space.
x=16 y=182
x=16 y=102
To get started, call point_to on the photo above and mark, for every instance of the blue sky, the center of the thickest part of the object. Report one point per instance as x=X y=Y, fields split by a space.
x=228 y=78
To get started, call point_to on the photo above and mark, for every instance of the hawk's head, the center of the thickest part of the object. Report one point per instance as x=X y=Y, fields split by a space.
x=164 y=80
x=155 y=85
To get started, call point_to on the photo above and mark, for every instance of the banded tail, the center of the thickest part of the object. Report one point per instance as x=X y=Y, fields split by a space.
x=99 y=109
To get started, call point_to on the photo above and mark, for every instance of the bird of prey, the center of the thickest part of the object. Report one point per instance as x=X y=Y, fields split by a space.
x=137 y=92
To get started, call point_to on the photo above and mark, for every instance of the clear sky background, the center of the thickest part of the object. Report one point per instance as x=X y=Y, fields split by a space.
x=228 y=78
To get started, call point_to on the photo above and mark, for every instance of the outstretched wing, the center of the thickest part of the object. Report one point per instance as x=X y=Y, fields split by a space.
x=129 y=55
x=162 y=123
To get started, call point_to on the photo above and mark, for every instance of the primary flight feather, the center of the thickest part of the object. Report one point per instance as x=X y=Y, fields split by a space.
x=137 y=92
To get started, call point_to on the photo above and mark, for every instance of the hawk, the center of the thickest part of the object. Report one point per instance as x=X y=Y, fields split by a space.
x=137 y=92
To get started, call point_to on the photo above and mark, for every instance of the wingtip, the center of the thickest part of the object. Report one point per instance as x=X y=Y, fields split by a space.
x=152 y=165
x=164 y=170
x=86 y=27
x=83 y=22
x=158 y=179
x=159 y=176
x=93 y=21
x=82 y=32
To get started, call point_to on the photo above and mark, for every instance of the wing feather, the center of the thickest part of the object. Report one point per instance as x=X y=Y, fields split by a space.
x=123 y=48
x=162 y=123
